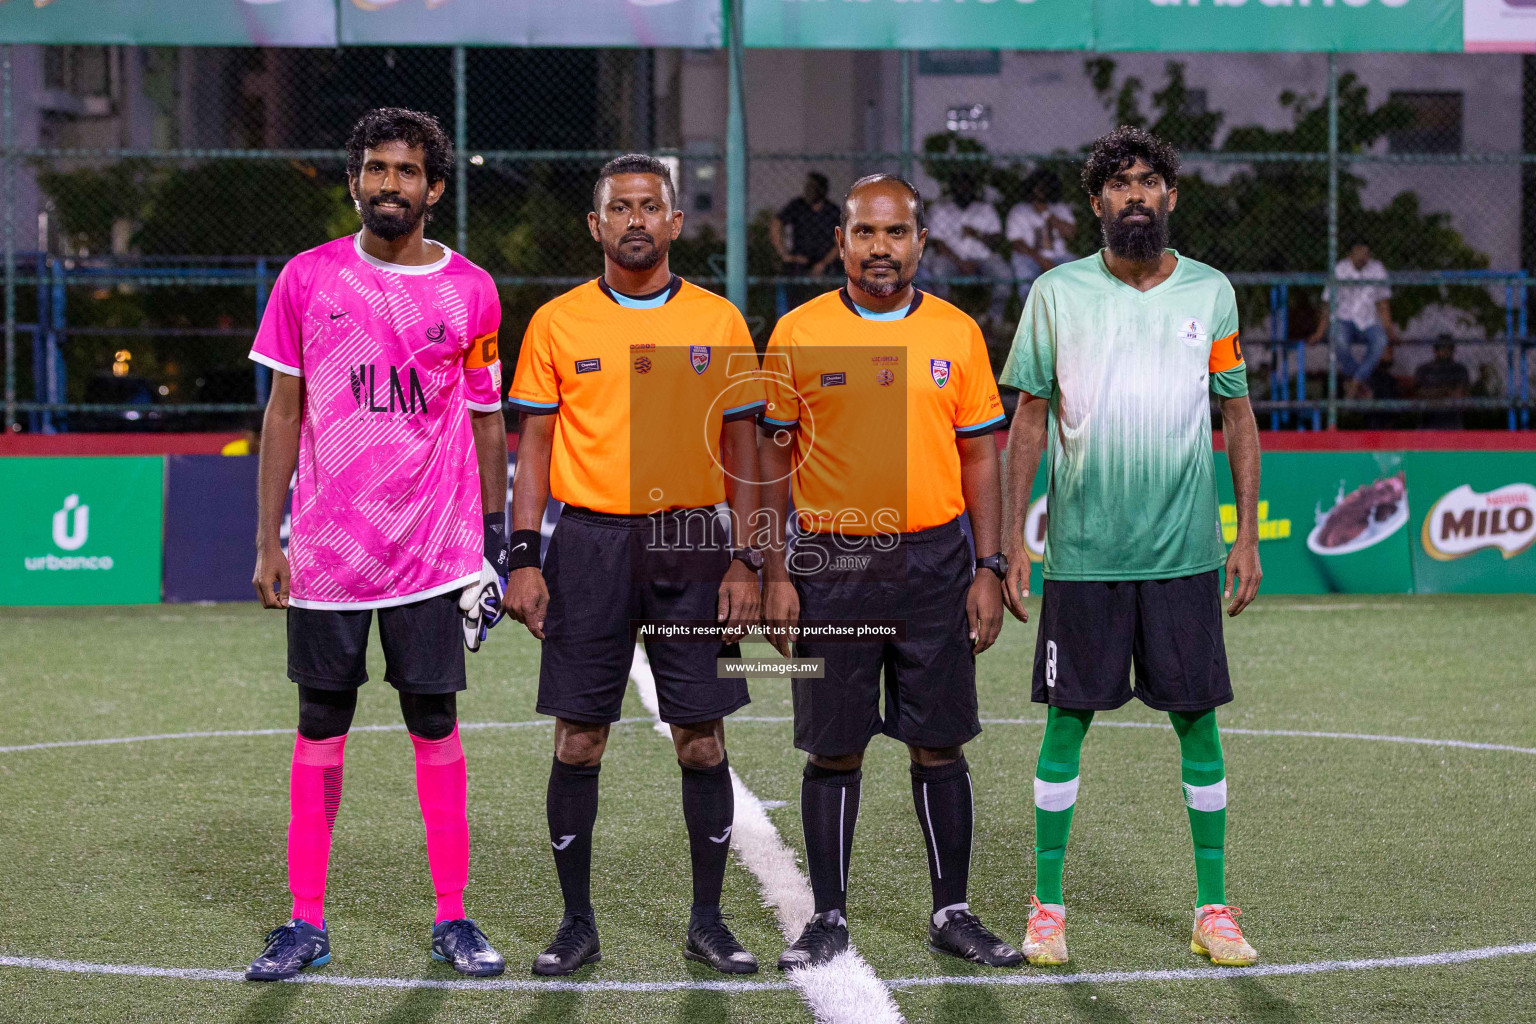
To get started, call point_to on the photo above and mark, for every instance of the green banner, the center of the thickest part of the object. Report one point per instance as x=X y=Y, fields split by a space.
x=1108 y=25
x=692 y=23
x=1329 y=522
x=170 y=22
x=1386 y=522
x=906 y=25
x=1474 y=522
x=1419 y=26
x=81 y=530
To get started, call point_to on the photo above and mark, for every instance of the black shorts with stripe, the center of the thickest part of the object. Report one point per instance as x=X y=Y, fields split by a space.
x=608 y=573
x=928 y=677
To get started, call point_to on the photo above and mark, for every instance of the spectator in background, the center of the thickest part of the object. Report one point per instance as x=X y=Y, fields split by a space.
x=1443 y=377
x=1384 y=385
x=249 y=441
x=962 y=229
x=812 y=223
x=1038 y=229
x=1365 y=317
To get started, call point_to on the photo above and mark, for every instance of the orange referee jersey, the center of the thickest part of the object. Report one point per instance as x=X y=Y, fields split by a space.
x=873 y=408
x=639 y=395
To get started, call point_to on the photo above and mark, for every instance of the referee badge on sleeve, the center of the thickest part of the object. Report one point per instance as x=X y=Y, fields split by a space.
x=940 y=370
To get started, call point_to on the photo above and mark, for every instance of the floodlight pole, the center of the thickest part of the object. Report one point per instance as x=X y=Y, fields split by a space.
x=7 y=138
x=460 y=153
x=906 y=114
x=735 y=164
x=1333 y=239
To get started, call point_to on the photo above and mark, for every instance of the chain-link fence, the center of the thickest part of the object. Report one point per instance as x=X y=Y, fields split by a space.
x=152 y=195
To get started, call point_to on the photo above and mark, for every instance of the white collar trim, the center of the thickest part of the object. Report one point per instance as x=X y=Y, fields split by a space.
x=400 y=268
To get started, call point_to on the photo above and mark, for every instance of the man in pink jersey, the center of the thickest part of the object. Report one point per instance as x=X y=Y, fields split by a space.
x=386 y=394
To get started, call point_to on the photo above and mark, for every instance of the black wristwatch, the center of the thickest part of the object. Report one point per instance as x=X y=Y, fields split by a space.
x=998 y=563
x=750 y=557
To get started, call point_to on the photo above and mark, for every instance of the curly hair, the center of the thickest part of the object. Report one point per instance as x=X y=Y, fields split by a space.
x=396 y=124
x=1120 y=149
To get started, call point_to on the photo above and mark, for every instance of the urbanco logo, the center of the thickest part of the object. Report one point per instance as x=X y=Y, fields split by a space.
x=71 y=530
x=71 y=535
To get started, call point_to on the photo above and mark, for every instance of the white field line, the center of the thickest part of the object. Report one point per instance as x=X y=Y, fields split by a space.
x=466 y=726
x=1340 y=607
x=1227 y=730
x=845 y=989
x=463 y=726
x=1012 y=979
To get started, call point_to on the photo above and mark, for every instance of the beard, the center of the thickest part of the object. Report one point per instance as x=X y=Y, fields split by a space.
x=391 y=222
x=883 y=288
x=642 y=258
x=1139 y=243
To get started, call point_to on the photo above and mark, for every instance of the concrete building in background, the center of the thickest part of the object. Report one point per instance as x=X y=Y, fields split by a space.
x=1043 y=102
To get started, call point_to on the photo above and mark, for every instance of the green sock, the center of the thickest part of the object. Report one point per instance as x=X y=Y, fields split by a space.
x=1056 y=795
x=1205 y=794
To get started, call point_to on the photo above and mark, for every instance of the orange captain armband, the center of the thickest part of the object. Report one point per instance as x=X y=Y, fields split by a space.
x=483 y=352
x=1226 y=353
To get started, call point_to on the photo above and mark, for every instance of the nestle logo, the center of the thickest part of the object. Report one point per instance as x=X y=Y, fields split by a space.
x=829 y=380
x=588 y=365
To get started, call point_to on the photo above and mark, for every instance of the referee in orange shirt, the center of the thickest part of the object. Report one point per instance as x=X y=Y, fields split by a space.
x=638 y=393
x=881 y=407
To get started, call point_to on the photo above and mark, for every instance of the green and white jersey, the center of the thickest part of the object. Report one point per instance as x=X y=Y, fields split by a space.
x=1132 y=489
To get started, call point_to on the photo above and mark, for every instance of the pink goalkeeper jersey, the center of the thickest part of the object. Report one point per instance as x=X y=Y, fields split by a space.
x=386 y=506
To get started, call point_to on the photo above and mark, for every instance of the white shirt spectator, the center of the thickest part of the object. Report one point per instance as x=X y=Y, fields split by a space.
x=1033 y=227
x=947 y=222
x=1357 y=302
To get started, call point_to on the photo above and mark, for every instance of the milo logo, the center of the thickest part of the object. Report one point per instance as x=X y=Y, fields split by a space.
x=1465 y=521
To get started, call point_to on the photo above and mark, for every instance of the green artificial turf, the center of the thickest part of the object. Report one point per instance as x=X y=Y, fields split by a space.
x=170 y=853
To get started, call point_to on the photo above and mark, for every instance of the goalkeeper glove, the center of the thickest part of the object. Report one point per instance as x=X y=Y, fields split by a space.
x=480 y=602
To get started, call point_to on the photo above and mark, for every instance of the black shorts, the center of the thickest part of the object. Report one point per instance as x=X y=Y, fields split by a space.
x=423 y=646
x=929 y=675
x=607 y=573
x=1091 y=633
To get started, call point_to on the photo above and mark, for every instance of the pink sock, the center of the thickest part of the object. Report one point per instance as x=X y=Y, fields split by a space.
x=314 y=793
x=442 y=785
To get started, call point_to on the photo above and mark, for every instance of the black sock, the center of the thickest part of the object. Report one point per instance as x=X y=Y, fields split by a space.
x=572 y=809
x=709 y=808
x=942 y=795
x=829 y=807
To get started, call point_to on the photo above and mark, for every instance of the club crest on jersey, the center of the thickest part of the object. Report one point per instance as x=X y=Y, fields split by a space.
x=698 y=355
x=436 y=332
x=1192 y=332
x=940 y=370
x=885 y=378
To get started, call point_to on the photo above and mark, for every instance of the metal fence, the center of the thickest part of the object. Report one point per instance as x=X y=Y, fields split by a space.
x=155 y=193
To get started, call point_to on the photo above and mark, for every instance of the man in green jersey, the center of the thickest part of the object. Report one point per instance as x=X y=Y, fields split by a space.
x=1114 y=358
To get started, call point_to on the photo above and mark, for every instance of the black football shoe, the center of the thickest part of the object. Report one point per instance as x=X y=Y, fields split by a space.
x=574 y=946
x=710 y=942
x=825 y=936
x=290 y=948
x=963 y=935
x=463 y=946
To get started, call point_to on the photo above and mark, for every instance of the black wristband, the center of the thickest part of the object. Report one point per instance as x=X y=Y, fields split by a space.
x=496 y=541
x=523 y=550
